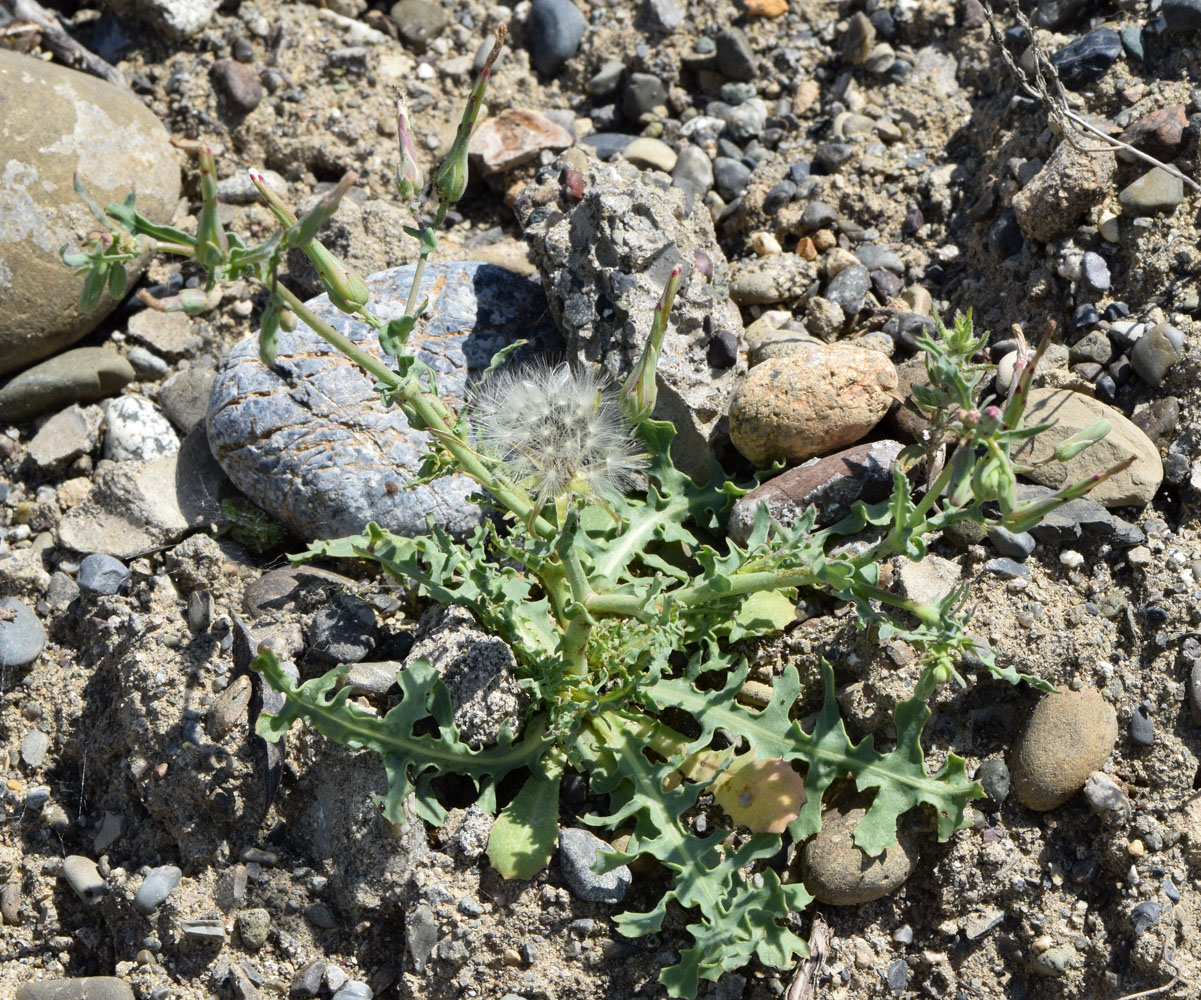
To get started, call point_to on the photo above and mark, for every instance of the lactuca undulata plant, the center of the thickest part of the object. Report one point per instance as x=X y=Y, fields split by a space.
x=608 y=572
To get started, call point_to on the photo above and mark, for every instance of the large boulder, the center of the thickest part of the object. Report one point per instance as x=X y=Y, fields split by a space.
x=58 y=123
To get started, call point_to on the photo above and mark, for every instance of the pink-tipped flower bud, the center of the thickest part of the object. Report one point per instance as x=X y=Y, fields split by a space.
x=409 y=179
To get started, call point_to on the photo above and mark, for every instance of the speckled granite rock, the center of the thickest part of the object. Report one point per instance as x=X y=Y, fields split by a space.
x=606 y=244
x=57 y=122
x=308 y=439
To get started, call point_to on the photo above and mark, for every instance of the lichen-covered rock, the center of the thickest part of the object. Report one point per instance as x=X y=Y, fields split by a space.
x=795 y=407
x=606 y=237
x=308 y=439
x=58 y=122
x=1069 y=735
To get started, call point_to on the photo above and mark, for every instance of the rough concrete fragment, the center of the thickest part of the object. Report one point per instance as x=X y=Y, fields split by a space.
x=1071 y=183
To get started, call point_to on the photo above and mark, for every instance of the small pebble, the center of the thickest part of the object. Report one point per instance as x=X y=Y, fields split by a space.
x=84 y=878
x=1142 y=729
x=100 y=573
x=993 y=775
x=34 y=747
x=354 y=990
x=1145 y=916
x=254 y=927
x=578 y=851
x=156 y=887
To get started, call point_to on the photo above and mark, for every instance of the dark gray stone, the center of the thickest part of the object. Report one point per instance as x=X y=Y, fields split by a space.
x=819 y=215
x=1145 y=916
x=308 y=439
x=608 y=144
x=849 y=287
x=644 y=92
x=1096 y=271
x=730 y=177
x=1181 y=15
x=555 y=29
x=1011 y=544
x=578 y=851
x=343 y=631
x=993 y=775
x=184 y=397
x=1087 y=59
x=735 y=57
x=1007 y=568
x=22 y=636
x=1142 y=728
x=101 y=574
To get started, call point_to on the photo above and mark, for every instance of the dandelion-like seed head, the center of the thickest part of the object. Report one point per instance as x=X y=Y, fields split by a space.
x=556 y=429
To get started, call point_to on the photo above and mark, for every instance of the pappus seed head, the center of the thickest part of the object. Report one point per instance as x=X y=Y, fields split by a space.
x=556 y=430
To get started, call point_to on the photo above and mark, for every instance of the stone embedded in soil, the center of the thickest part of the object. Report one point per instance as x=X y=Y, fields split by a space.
x=238 y=83
x=343 y=631
x=993 y=775
x=419 y=21
x=86 y=988
x=1107 y=799
x=158 y=884
x=1072 y=182
x=578 y=852
x=1156 y=351
x=831 y=484
x=762 y=281
x=100 y=573
x=1086 y=59
x=837 y=872
x=137 y=431
x=515 y=136
x=1156 y=191
x=84 y=878
x=79 y=376
x=1072 y=412
x=1069 y=735
x=308 y=439
x=1159 y=133
x=22 y=635
x=65 y=436
x=1181 y=15
x=793 y=408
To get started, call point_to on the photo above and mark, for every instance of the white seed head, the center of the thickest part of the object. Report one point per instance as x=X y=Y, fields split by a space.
x=557 y=430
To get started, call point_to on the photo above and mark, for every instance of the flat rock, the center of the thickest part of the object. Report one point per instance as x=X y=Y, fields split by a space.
x=1156 y=191
x=87 y=988
x=58 y=122
x=308 y=439
x=172 y=335
x=792 y=408
x=66 y=436
x=831 y=484
x=1072 y=412
x=131 y=508
x=1069 y=735
x=837 y=872
x=1071 y=183
x=1159 y=133
x=79 y=376
x=514 y=137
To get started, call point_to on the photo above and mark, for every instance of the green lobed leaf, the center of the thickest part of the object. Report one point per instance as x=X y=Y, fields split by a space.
x=524 y=835
x=411 y=759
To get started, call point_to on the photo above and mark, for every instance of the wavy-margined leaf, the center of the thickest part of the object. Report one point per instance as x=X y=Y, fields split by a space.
x=740 y=917
x=524 y=835
x=899 y=777
x=412 y=760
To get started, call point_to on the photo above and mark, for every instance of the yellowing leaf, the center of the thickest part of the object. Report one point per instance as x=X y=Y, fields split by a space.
x=762 y=795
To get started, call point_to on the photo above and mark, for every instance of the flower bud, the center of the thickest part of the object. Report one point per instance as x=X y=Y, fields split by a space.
x=450 y=179
x=409 y=179
x=305 y=230
x=639 y=393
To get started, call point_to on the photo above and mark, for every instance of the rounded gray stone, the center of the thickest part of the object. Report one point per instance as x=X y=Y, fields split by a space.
x=578 y=850
x=22 y=636
x=308 y=439
x=100 y=573
x=158 y=884
x=79 y=376
x=137 y=431
x=59 y=122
